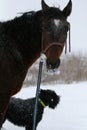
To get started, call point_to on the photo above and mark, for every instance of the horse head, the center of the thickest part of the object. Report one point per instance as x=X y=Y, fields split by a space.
x=54 y=34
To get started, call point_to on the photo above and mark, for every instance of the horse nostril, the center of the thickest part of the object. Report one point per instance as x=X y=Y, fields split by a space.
x=58 y=63
x=52 y=66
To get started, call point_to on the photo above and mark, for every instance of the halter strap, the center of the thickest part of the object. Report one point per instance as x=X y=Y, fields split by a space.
x=55 y=43
x=58 y=44
x=42 y=103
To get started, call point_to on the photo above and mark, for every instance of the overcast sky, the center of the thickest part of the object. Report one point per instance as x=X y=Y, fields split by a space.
x=78 y=18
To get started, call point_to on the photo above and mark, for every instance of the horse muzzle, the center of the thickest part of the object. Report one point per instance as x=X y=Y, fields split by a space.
x=52 y=67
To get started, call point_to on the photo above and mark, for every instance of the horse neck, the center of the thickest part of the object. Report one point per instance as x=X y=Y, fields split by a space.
x=26 y=34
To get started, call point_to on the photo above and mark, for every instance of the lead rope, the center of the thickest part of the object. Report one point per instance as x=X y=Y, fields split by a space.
x=37 y=91
x=38 y=85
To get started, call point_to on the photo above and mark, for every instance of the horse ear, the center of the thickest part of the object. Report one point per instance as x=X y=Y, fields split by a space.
x=67 y=10
x=44 y=6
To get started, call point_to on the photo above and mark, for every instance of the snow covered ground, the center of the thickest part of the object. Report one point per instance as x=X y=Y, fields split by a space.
x=71 y=113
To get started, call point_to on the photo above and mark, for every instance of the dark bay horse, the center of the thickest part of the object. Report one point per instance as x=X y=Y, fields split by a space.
x=21 y=42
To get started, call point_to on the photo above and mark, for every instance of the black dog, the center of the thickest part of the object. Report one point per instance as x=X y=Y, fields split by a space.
x=20 y=112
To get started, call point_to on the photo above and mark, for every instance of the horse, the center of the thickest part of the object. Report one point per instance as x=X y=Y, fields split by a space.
x=23 y=39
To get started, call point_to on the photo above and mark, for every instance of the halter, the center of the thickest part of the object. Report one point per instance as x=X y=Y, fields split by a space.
x=53 y=44
x=57 y=44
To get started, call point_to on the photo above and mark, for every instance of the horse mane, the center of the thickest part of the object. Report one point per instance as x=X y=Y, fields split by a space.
x=20 y=18
x=29 y=13
x=8 y=26
x=52 y=12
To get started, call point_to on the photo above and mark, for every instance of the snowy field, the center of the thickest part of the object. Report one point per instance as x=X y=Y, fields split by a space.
x=70 y=114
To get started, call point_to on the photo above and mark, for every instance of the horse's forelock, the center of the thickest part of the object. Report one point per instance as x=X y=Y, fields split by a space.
x=53 y=13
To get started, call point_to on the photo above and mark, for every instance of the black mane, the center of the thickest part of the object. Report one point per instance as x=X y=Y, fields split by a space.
x=29 y=13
